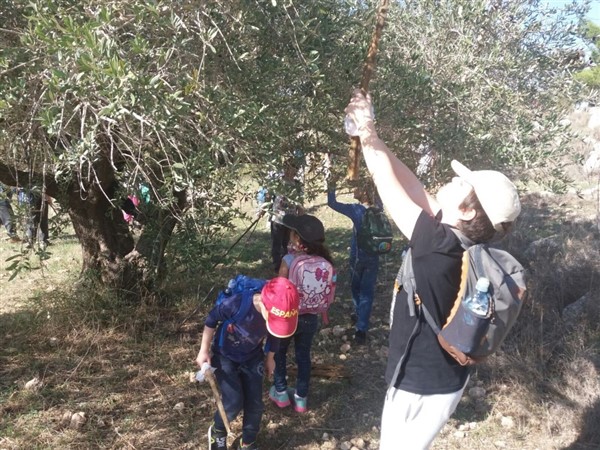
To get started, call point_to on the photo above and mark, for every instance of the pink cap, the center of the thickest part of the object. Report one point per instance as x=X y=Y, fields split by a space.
x=281 y=300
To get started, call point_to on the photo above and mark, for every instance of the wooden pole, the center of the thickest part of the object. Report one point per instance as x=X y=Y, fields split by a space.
x=210 y=376
x=368 y=70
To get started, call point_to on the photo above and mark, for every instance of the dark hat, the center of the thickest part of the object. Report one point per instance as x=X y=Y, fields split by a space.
x=308 y=227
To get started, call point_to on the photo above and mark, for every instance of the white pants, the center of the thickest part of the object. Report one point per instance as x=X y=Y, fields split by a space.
x=412 y=421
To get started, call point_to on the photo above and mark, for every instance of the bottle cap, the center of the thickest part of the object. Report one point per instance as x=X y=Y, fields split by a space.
x=483 y=284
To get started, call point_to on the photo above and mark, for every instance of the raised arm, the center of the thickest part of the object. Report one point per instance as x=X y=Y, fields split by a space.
x=401 y=192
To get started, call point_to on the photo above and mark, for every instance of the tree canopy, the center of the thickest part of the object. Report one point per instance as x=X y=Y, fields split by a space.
x=591 y=75
x=100 y=99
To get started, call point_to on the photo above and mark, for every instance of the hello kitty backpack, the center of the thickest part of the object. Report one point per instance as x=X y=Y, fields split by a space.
x=315 y=279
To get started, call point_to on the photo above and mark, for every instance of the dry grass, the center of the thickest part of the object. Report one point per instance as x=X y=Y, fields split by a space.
x=126 y=367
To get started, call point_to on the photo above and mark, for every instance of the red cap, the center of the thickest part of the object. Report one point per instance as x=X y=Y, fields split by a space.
x=281 y=300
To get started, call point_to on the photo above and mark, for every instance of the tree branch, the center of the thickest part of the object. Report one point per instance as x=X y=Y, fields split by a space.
x=13 y=177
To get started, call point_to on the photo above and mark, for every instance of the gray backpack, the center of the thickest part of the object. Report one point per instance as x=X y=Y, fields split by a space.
x=469 y=337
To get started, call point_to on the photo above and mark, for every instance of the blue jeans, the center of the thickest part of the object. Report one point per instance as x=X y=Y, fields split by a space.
x=241 y=388
x=363 y=280
x=308 y=324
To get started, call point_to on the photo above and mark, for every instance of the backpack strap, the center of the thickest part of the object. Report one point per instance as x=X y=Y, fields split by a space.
x=406 y=280
x=465 y=242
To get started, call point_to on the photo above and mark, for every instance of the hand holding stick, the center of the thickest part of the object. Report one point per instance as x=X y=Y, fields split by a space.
x=368 y=70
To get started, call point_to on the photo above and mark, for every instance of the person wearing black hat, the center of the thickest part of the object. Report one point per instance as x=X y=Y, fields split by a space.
x=307 y=237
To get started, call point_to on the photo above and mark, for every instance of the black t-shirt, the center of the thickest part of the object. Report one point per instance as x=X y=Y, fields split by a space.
x=428 y=369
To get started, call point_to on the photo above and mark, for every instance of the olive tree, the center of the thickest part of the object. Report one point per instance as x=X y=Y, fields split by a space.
x=482 y=81
x=176 y=101
x=169 y=101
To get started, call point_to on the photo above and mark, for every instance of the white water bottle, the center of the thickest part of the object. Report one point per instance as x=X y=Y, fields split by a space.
x=350 y=127
x=479 y=302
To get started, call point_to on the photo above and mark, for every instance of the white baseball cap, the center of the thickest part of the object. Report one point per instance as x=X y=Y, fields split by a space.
x=496 y=193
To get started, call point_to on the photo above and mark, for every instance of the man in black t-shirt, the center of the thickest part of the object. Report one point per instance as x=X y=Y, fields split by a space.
x=425 y=382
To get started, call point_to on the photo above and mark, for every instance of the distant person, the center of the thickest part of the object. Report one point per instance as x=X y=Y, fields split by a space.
x=364 y=266
x=426 y=383
x=133 y=205
x=7 y=215
x=315 y=278
x=240 y=362
x=287 y=202
x=36 y=227
x=129 y=207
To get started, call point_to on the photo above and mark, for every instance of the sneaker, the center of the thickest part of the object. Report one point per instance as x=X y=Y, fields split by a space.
x=217 y=439
x=252 y=446
x=360 y=337
x=281 y=399
x=300 y=404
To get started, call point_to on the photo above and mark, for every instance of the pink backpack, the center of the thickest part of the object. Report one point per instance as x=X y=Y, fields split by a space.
x=315 y=278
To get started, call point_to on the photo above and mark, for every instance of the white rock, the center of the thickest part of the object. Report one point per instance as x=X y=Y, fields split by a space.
x=594 y=120
x=592 y=162
x=345 y=445
x=33 y=384
x=345 y=348
x=589 y=140
x=343 y=357
x=338 y=331
x=179 y=407
x=325 y=436
x=459 y=434
x=564 y=122
x=358 y=443
x=472 y=425
x=477 y=392
x=463 y=427
x=325 y=331
x=507 y=422
x=78 y=420
x=65 y=420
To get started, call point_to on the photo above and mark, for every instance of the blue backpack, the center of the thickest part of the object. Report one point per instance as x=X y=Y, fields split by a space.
x=245 y=287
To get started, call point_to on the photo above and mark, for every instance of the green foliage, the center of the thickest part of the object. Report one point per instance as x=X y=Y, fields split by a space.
x=590 y=76
x=185 y=97
x=477 y=81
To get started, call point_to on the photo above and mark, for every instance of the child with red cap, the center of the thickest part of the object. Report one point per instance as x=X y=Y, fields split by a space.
x=240 y=361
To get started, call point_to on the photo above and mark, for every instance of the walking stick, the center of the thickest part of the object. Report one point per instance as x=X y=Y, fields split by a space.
x=193 y=313
x=210 y=376
x=368 y=70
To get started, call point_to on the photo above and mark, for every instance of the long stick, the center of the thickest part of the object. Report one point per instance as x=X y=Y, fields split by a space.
x=210 y=376
x=193 y=313
x=368 y=70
